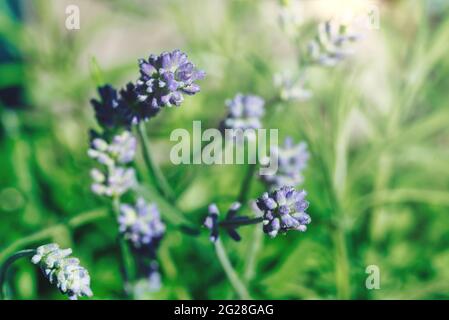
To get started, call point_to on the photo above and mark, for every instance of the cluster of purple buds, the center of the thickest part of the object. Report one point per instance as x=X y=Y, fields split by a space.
x=332 y=44
x=283 y=210
x=141 y=224
x=292 y=160
x=290 y=88
x=63 y=270
x=163 y=81
x=111 y=111
x=244 y=112
x=114 y=178
x=121 y=150
x=212 y=223
x=165 y=78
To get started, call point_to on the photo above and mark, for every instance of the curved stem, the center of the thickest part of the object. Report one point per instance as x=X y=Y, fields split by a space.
x=73 y=223
x=4 y=268
x=234 y=279
x=157 y=175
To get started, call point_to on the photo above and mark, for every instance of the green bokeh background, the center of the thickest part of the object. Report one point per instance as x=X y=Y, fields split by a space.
x=377 y=127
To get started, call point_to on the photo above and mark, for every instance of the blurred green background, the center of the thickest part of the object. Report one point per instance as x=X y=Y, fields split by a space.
x=378 y=130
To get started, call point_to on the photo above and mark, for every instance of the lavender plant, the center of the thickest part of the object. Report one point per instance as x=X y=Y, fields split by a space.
x=347 y=137
x=163 y=81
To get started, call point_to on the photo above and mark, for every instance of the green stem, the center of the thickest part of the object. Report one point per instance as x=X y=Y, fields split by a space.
x=238 y=285
x=255 y=245
x=246 y=184
x=75 y=222
x=4 y=268
x=234 y=223
x=157 y=175
x=127 y=261
x=338 y=189
x=342 y=265
x=169 y=211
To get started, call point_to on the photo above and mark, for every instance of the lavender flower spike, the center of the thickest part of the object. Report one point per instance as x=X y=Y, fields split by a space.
x=245 y=112
x=141 y=224
x=292 y=160
x=62 y=270
x=290 y=88
x=110 y=110
x=332 y=44
x=283 y=210
x=121 y=150
x=114 y=183
x=165 y=78
x=114 y=178
x=211 y=222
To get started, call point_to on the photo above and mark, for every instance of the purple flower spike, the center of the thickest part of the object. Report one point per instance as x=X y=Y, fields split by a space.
x=283 y=210
x=211 y=222
x=110 y=110
x=165 y=78
x=245 y=112
x=292 y=160
x=141 y=224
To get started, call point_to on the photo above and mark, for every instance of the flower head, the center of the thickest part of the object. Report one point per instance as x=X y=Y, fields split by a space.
x=141 y=223
x=114 y=182
x=165 y=78
x=121 y=150
x=332 y=43
x=211 y=222
x=291 y=89
x=111 y=111
x=139 y=105
x=292 y=160
x=245 y=112
x=283 y=210
x=114 y=178
x=163 y=81
x=63 y=270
